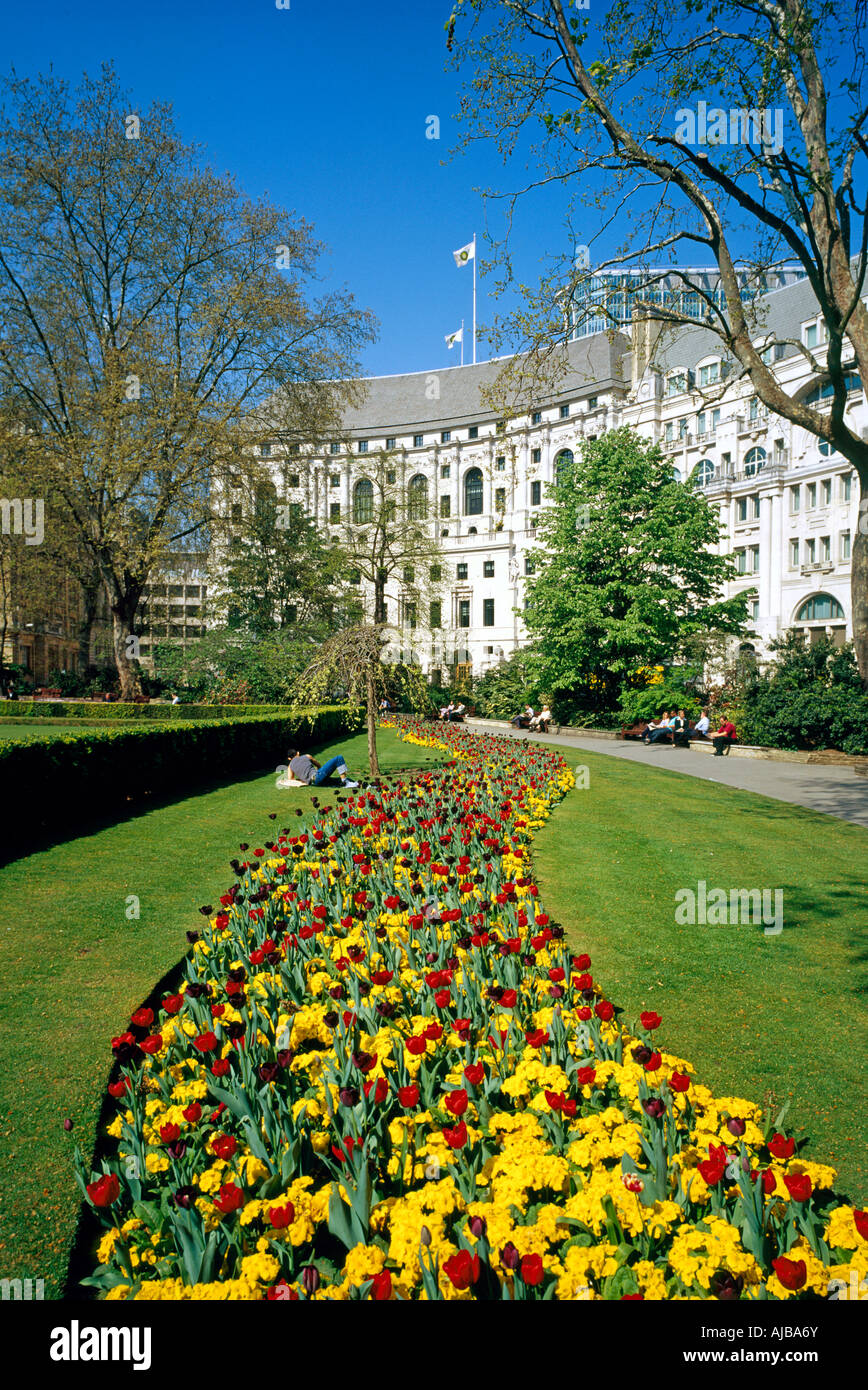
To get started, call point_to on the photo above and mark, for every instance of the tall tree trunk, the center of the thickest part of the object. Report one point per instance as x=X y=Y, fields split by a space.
x=859 y=585
x=371 y=703
x=126 y=645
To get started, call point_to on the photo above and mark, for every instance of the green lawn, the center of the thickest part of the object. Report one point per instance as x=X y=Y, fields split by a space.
x=771 y=1018
x=73 y=967
x=46 y=728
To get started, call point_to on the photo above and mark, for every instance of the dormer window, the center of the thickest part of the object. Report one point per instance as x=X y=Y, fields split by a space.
x=676 y=383
x=709 y=374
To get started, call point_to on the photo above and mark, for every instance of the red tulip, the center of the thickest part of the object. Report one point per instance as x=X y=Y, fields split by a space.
x=456 y=1102
x=462 y=1269
x=281 y=1217
x=679 y=1081
x=408 y=1096
x=532 y=1270
x=861 y=1220
x=586 y=1076
x=604 y=1010
x=229 y=1198
x=475 y=1073
x=381 y=1287
x=650 y=1021
x=206 y=1042
x=104 y=1191
x=456 y=1138
x=799 y=1186
x=792 y=1273
x=781 y=1148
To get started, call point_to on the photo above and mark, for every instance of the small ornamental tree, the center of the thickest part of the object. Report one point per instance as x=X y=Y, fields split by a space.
x=349 y=663
x=626 y=571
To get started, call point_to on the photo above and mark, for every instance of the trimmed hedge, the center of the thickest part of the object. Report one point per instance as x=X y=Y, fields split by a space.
x=116 y=710
x=62 y=782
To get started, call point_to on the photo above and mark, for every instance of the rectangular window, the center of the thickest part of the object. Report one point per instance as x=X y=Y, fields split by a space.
x=390 y=475
x=812 y=497
x=363 y=446
x=826 y=492
x=500 y=427
x=592 y=402
x=265 y=451
x=445 y=505
x=756 y=506
x=536 y=455
x=741 y=508
x=500 y=463
x=237 y=513
x=535 y=494
x=795 y=500
x=700 y=424
x=811 y=335
x=845 y=545
x=292 y=480
x=294 y=449
x=564 y=412
x=390 y=441
x=418 y=441
x=488 y=569
x=409 y=574
x=335 y=480
x=436 y=613
x=670 y=431
x=741 y=561
x=445 y=470
x=846 y=486
x=754 y=559
x=473 y=432
x=500 y=499
x=536 y=417
x=334 y=448
x=810 y=551
x=435 y=574
x=334 y=512
x=488 y=612
x=709 y=374
x=445 y=436
x=464 y=612
x=461 y=570
x=410 y=614
x=528 y=564
x=825 y=549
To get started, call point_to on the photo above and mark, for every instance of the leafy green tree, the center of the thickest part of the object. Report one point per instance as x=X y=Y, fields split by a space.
x=811 y=696
x=626 y=571
x=283 y=575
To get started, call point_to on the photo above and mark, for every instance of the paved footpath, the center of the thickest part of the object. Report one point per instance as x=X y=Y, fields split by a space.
x=836 y=791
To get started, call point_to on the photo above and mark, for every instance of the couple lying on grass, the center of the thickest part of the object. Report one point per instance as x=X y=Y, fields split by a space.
x=305 y=771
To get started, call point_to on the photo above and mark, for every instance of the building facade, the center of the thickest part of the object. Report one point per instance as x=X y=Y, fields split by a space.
x=789 y=506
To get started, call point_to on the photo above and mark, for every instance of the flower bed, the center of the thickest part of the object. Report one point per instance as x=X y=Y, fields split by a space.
x=388 y=1076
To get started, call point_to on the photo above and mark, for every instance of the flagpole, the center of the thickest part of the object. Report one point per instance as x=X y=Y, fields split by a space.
x=474 y=299
x=462 y=342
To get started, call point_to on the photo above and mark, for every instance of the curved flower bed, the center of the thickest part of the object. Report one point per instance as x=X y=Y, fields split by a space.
x=388 y=1076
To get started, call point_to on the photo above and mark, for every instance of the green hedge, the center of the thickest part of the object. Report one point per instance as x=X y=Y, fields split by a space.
x=63 y=782
x=94 y=709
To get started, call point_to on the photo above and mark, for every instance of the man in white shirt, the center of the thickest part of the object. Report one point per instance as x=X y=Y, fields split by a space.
x=701 y=727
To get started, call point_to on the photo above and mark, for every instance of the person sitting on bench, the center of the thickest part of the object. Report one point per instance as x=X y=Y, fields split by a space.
x=304 y=768
x=658 y=733
x=701 y=727
x=541 y=721
x=722 y=739
x=457 y=715
x=680 y=732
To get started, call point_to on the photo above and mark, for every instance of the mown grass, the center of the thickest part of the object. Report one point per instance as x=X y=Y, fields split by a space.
x=775 y=1019
x=73 y=967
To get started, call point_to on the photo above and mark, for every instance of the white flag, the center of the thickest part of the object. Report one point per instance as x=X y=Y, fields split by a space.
x=467 y=253
x=453 y=338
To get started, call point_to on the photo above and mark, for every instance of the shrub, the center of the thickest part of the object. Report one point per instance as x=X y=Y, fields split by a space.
x=667 y=694
x=63 y=781
x=812 y=697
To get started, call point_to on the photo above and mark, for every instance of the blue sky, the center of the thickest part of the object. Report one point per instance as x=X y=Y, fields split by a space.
x=322 y=106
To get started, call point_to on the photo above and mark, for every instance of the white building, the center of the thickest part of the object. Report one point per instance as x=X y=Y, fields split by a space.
x=788 y=505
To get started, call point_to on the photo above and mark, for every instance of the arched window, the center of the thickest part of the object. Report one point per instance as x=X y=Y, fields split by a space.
x=363 y=502
x=417 y=498
x=820 y=608
x=563 y=466
x=473 y=492
x=704 y=473
x=675 y=474
x=755 y=460
x=825 y=390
